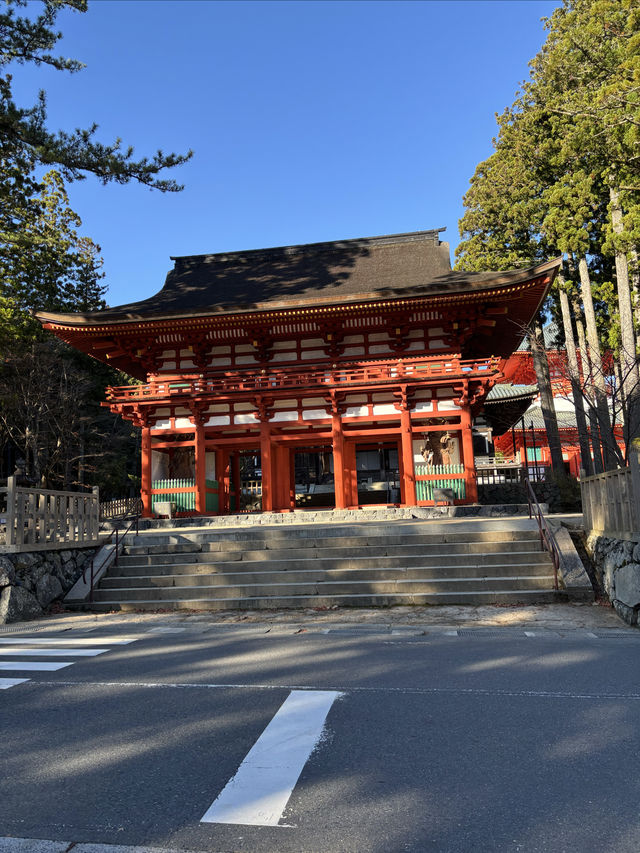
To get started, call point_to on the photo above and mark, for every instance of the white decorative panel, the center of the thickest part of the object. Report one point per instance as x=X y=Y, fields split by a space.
x=423 y=406
x=354 y=351
x=244 y=348
x=436 y=344
x=183 y=422
x=312 y=342
x=168 y=365
x=218 y=420
x=313 y=401
x=353 y=339
x=380 y=348
x=285 y=404
x=351 y=399
x=379 y=336
x=437 y=332
x=220 y=362
x=163 y=424
x=445 y=392
x=219 y=407
x=357 y=412
x=447 y=406
x=385 y=409
x=249 y=418
x=309 y=354
x=283 y=345
x=285 y=416
x=246 y=359
x=314 y=414
x=285 y=356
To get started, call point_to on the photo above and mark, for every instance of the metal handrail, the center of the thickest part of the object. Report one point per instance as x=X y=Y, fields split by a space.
x=119 y=542
x=547 y=538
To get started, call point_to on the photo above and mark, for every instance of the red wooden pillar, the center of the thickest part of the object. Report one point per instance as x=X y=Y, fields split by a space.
x=350 y=474
x=266 y=465
x=220 y=478
x=408 y=471
x=236 y=479
x=145 y=473
x=292 y=479
x=471 y=484
x=201 y=495
x=337 y=437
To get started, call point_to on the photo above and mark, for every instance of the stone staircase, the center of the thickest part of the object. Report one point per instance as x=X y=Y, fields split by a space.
x=368 y=564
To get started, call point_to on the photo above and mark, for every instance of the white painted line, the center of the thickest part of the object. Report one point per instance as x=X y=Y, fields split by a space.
x=165 y=630
x=60 y=653
x=259 y=792
x=450 y=633
x=530 y=633
x=70 y=641
x=34 y=665
x=591 y=634
x=11 y=682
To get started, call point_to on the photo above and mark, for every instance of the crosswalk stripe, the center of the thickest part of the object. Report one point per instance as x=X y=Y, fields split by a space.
x=11 y=682
x=259 y=792
x=70 y=641
x=34 y=665
x=53 y=652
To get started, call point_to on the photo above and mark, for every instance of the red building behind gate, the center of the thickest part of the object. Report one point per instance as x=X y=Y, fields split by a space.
x=332 y=358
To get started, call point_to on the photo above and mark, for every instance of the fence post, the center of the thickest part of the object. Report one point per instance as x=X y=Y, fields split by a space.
x=95 y=514
x=11 y=511
x=634 y=464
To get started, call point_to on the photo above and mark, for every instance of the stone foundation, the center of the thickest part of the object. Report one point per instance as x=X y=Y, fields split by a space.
x=617 y=565
x=32 y=582
x=564 y=497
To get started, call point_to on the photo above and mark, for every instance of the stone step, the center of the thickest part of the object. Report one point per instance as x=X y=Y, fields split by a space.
x=320 y=576
x=326 y=548
x=174 y=562
x=292 y=538
x=329 y=588
x=320 y=602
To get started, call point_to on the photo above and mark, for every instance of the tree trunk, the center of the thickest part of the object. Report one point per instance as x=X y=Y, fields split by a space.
x=600 y=391
x=541 y=366
x=635 y=284
x=628 y=357
x=572 y=358
x=584 y=369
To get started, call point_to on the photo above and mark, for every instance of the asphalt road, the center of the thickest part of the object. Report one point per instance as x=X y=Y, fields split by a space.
x=480 y=740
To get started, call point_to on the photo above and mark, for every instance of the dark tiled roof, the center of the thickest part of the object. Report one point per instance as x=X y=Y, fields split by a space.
x=390 y=267
x=507 y=391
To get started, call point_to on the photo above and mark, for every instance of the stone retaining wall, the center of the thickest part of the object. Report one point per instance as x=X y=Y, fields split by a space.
x=560 y=498
x=31 y=582
x=617 y=565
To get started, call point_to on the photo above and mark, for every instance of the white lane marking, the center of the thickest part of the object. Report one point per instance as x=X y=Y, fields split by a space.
x=592 y=635
x=53 y=652
x=450 y=633
x=34 y=665
x=530 y=633
x=70 y=641
x=259 y=792
x=11 y=682
x=165 y=630
x=408 y=691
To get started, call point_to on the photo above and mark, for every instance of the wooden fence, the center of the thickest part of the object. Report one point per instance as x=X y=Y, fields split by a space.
x=611 y=501
x=120 y=508
x=42 y=519
x=430 y=477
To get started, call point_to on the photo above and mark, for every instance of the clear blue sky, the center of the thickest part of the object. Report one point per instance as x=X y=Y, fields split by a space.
x=310 y=121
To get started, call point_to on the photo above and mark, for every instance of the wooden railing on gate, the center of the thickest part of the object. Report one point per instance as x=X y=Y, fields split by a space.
x=611 y=501
x=43 y=519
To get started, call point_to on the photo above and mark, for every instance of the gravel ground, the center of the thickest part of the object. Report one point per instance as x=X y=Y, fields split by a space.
x=545 y=616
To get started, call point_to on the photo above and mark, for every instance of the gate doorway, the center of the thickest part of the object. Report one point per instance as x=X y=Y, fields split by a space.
x=314 y=480
x=378 y=473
